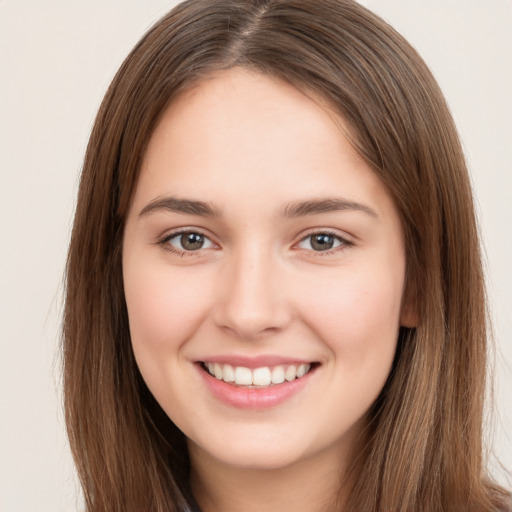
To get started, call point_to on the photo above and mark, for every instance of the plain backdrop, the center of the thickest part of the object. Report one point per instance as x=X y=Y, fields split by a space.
x=56 y=61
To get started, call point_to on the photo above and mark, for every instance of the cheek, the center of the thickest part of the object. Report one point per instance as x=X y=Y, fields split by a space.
x=164 y=309
x=357 y=318
x=357 y=314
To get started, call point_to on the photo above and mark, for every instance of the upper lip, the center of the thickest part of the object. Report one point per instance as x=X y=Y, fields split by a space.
x=255 y=361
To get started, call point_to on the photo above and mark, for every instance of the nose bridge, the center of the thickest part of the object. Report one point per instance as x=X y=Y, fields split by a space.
x=254 y=299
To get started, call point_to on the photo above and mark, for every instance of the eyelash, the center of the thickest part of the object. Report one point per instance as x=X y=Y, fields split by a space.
x=164 y=242
x=344 y=243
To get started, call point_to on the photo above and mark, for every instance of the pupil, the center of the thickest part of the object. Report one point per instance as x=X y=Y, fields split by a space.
x=322 y=242
x=192 y=241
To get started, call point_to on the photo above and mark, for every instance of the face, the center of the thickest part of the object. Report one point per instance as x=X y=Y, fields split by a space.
x=264 y=268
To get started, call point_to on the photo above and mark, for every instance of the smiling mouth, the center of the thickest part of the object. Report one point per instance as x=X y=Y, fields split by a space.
x=263 y=377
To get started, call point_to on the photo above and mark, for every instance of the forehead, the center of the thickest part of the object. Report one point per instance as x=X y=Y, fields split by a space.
x=258 y=135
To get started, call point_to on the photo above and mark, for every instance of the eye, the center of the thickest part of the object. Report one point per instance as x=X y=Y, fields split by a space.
x=322 y=242
x=187 y=241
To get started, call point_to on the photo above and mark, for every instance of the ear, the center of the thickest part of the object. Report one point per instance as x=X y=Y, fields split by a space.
x=409 y=315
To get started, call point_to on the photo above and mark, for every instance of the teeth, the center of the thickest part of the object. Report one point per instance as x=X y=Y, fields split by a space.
x=290 y=373
x=217 y=371
x=228 y=373
x=263 y=376
x=302 y=370
x=243 y=376
x=278 y=375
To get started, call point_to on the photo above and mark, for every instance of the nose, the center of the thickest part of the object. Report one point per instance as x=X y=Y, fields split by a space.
x=253 y=301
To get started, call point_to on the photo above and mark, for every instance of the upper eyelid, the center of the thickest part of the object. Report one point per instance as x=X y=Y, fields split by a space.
x=345 y=238
x=164 y=242
x=326 y=231
x=304 y=234
x=168 y=235
x=344 y=243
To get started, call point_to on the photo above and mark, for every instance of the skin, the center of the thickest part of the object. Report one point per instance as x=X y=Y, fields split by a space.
x=249 y=145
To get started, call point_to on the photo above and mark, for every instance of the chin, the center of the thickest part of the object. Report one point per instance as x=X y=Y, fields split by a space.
x=259 y=460
x=256 y=451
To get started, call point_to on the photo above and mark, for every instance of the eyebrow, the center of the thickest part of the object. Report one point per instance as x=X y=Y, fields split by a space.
x=188 y=206
x=290 y=210
x=315 y=206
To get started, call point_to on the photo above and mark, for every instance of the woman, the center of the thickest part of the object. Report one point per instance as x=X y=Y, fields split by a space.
x=274 y=290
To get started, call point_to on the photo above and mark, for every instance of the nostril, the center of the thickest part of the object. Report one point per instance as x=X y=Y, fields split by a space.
x=251 y=302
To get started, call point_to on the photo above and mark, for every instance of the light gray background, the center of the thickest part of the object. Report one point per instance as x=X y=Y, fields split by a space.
x=56 y=61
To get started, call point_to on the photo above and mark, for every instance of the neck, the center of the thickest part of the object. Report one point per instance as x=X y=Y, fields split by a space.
x=313 y=485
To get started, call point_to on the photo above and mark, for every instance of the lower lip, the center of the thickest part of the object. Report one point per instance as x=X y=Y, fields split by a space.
x=253 y=398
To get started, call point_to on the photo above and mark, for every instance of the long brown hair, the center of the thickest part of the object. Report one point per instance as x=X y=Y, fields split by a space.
x=423 y=446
